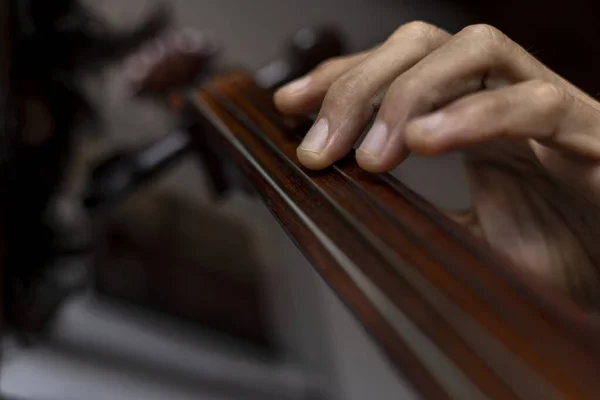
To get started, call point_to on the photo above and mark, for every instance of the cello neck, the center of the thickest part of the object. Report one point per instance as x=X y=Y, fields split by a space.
x=455 y=319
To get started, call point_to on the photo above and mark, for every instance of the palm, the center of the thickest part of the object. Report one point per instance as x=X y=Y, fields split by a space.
x=522 y=211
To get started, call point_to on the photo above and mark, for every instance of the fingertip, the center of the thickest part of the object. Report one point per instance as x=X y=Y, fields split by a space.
x=312 y=151
x=298 y=86
x=293 y=97
x=312 y=160
x=420 y=138
x=368 y=161
x=370 y=154
x=378 y=164
x=284 y=103
x=298 y=106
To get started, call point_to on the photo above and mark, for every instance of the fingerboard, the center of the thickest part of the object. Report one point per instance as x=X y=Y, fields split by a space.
x=457 y=320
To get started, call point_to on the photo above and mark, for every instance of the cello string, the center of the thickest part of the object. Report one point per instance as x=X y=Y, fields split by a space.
x=451 y=378
x=246 y=89
x=505 y=365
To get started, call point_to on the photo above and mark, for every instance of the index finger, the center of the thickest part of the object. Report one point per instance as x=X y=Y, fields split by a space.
x=305 y=94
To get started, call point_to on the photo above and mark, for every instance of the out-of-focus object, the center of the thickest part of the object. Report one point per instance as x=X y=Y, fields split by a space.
x=124 y=171
x=46 y=47
x=306 y=49
x=171 y=61
x=158 y=252
x=165 y=252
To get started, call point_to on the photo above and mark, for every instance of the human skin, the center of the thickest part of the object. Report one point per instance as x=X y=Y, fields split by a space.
x=530 y=139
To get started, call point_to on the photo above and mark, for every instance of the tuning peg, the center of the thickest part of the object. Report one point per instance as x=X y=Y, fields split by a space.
x=311 y=46
x=171 y=61
x=306 y=49
x=165 y=67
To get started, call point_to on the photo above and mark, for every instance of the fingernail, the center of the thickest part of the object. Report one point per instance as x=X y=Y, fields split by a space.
x=376 y=139
x=297 y=86
x=316 y=138
x=432 y=123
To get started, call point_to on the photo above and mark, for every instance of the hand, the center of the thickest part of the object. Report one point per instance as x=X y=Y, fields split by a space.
x=531 y=139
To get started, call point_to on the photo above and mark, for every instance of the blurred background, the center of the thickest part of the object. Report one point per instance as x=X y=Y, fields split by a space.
x=253 y=321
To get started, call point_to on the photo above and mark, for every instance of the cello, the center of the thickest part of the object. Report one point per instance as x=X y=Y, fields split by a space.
x=456 y=319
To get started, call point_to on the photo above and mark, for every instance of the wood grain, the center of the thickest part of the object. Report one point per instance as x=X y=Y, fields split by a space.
x=456 y=320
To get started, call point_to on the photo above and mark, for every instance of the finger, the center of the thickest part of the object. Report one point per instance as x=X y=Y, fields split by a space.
x=583 y=177
x=476 y=58
x=467 y=219
x=535 y=109
x=306 y=94
x=352 y=99
x=504 y=209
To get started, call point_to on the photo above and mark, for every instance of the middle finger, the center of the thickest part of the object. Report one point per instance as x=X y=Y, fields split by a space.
x=479 y=57
x=350 y=102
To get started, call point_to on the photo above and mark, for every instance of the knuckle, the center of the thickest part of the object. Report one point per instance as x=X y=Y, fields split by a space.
x=483 y=32
x=549 y=95
x=414 y=29
x=408 y=87
x=343 y=90
x=487 y=38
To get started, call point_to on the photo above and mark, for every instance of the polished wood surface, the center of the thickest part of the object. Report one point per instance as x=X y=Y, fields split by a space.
x=458 y=321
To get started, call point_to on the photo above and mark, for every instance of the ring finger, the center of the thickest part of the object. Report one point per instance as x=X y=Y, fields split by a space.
x=479 y=57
